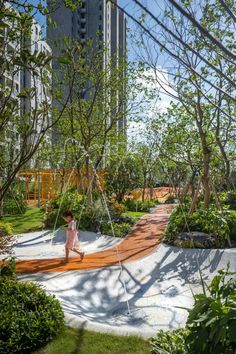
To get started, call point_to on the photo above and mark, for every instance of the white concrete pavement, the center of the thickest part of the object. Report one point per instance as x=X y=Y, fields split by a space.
x=157 y=285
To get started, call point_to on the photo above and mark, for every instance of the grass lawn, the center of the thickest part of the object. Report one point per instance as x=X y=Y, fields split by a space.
x=73 y=341
x=135 y=214
x=30 y=221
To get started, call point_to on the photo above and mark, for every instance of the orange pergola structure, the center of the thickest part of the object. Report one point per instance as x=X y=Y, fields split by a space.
x=43 y=185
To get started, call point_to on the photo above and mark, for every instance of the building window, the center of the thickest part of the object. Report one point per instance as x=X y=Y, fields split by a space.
x=100 y=17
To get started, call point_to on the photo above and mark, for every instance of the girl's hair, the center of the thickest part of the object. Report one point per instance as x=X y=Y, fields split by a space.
x=67 y=213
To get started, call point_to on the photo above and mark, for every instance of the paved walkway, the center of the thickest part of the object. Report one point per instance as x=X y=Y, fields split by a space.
x=158 y=279
x=141 y=242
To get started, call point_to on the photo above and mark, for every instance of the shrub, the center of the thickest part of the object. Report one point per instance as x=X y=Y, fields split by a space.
x=138 y=205
x=8 y=267
x=13 y=207
x=120 y=229
x=5 y=229
x=6 y=238
x=14 y=201
x=171 y=199
x=169 y=342
x=211 y=321
x=231 y=219
x=116 y=209
x=211 y=221
x=229 y=198
x=71 y=200
x=211 y=325
x=29 y=318
x=50 y=219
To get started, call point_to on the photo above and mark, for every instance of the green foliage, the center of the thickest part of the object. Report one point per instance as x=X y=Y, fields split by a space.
x=171 y=199
x=116 y=209
x=6 y=238
x=11 y=207
x=211 y=321
x=71 y=200
x=5 y=229
x=229 y=199
x=170 y=342
x=50 y=219
x=211 y=324
x=138 y=205
x=211 y=221
x=120 y=229
x=8 y=267
x=123 y=176
x=231 y=220
x=14 y=200
x=29 y=318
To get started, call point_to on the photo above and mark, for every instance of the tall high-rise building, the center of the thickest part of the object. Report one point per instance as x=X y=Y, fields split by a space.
x=98 y=20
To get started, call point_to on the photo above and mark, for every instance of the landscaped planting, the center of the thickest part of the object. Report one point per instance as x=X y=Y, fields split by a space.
x=6 y=239
x=29 y=318
x=138 y=205
x=92 y=217
x=211 y=324
x=203 y=228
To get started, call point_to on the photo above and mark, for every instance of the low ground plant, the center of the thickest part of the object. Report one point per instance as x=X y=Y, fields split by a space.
x=120 y=229
x=217 y=223
x=211 y=324
x=138 y=205
x=6 y=238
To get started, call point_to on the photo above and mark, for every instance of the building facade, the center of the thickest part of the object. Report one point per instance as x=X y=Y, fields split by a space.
x=98 y=20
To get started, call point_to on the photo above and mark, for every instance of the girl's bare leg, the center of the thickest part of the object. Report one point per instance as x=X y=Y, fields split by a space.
x=80 y=253
x=67 y=255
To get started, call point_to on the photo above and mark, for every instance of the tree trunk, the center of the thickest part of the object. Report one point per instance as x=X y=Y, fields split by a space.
x=206 y=154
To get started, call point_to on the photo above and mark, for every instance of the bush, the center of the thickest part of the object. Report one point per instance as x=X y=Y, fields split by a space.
x=211 y=322
x=50 y=219
x=231 y=219
x=116 y=209
x=71 y=200
x=211 y=325
x=5 y=229
x=6 y=238
x=138 y=205
x=8 y=267
x=11 y=207
x=29 y=318
x=171 y=199
x=120 y=229
x=211 y=221
x=14 y=201
x=169 y=342
x=229 y=198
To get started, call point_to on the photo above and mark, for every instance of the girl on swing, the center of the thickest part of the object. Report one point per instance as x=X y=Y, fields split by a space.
x=71 y=235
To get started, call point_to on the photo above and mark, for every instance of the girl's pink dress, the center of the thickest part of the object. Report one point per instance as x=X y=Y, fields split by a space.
x=72 y=236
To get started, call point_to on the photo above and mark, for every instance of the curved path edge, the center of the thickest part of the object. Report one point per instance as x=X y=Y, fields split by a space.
x=142 y=241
